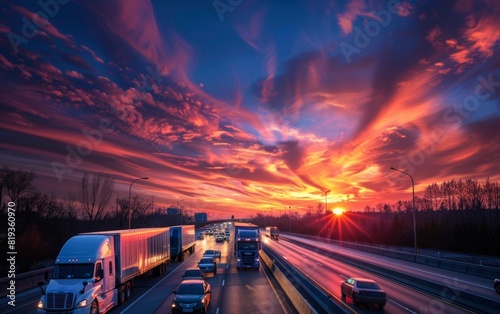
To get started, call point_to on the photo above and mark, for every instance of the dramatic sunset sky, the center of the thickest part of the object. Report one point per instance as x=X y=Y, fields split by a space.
x=239 y=106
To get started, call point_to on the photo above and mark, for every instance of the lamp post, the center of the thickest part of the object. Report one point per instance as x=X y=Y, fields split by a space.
x=326 y=201
x=414 y=209
x=129 y=199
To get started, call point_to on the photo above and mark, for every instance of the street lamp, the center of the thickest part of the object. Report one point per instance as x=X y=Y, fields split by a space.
x=326 y=201
x=414 y=209
x=129 y=199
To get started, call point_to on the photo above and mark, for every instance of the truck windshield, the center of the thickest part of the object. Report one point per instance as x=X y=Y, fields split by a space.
x=247 y=245
x=73 y=271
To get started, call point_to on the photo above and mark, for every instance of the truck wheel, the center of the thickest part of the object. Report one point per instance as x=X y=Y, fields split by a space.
x=94 y=309
x=128 y=290
x=122 y=295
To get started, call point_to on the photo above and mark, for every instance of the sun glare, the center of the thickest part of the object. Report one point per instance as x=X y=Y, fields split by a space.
x=338 y=211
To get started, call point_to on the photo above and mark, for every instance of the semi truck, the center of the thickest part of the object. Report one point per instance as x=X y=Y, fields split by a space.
x=182 y=240
x=273 y=233
x=247 y=245
x=94 y=271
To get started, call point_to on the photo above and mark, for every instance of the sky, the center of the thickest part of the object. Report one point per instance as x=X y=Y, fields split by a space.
x=245 y=107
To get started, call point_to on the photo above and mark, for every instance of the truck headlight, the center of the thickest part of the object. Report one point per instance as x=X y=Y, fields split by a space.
x=82 y=303
x=257 y=259
x=40 y=304
x=238 y=259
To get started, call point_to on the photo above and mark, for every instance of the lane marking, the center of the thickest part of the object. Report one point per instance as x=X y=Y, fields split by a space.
x=319 y=263
x=402 y=306
x=153 y=287
x=223 y=281
x=253 y=289
x=217 y=311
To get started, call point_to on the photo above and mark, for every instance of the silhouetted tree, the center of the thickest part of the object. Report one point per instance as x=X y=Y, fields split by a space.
x=95 y=195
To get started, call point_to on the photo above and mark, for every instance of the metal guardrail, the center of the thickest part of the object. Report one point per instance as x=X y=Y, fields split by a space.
x=317 y=298
x=24 y=281
x=443 y=263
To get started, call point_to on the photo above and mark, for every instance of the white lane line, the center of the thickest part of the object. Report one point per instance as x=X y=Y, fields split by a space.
x=150 y=289
x=217 y=311
x=253 y=289
x=402 y=306
x=319 y=264
x=223 y=281
x=227 y=266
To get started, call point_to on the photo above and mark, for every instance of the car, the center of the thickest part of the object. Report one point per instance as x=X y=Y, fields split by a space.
x=212 y=253
x=193 y=273
x=496 y=285
x=192 y=296
x=362 y=290
x=201 y=236
x=208 y=265
x=219 y=238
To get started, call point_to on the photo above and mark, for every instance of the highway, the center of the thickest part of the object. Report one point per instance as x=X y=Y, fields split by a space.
x=232 y=291
x=250 y=291
x=330 y=272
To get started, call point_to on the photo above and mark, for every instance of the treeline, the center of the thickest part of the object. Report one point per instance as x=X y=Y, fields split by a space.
x=470 y=232
x=44 y=222
x=461 y=216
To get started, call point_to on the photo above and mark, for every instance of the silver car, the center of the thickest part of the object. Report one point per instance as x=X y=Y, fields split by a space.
x=208 y=265
x=362 y=290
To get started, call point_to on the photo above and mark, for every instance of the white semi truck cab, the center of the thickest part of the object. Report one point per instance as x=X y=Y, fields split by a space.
x=82 y=272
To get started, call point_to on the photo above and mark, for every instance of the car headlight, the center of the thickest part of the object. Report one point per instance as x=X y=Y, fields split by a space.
x=40 y=304
x=82 y=303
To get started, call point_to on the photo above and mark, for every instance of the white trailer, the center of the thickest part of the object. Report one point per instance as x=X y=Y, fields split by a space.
x=94 y=271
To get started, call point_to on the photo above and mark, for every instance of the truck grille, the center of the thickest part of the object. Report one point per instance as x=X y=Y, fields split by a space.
x=248 y=258
x=62 y=301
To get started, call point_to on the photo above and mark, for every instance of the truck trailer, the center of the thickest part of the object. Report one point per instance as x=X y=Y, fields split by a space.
x=273 y=233
x=182 y=240
x=94 y=271
x=247 y=245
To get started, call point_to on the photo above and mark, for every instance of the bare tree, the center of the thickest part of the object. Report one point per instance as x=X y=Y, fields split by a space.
x=70 y=206
x=95 y=195
x=17 y=183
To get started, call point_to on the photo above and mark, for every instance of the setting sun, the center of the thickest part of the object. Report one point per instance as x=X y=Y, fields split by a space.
x=338 y=211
